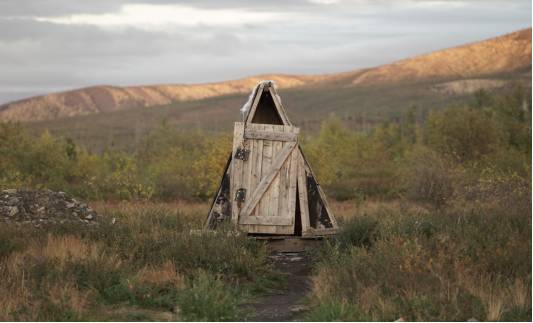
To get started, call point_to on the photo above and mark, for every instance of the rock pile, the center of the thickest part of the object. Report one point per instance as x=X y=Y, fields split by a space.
x=43 y=207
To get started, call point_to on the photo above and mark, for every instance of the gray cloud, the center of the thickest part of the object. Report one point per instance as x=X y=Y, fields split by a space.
x=303 y=37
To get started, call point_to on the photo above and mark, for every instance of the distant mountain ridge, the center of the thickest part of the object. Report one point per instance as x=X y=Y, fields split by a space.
x=106 y=98
x=502 y=54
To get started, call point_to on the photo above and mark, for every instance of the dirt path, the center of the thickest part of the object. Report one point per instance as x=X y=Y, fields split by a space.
x=286 y=304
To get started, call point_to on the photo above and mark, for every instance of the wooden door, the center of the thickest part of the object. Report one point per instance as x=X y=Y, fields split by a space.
x=264 y=177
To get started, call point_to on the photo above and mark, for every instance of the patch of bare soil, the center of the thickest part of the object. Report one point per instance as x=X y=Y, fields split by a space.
x=286 y=304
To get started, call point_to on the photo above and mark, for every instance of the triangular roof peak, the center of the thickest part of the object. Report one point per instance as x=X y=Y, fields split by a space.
x=264 y=106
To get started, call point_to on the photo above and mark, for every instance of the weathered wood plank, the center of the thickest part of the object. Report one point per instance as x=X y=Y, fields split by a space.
x=274 y=187
x=275 y=128
x=246 y=169
x=258 y=148
x=279 y=106
x=266 y=220
x=291 y=193
x=263 y=204
x=312 y=232
x=268 y=229
x=221 y=206
x=255 y=102
x=283 y=187
x=270 y=135
x=302 y=192
x=236 y=170
x=320 y=192
x=267 y=179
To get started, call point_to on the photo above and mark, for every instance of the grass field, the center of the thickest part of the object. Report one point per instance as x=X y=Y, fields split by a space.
x=141 y=263
x=393 y=259
x=435 y=223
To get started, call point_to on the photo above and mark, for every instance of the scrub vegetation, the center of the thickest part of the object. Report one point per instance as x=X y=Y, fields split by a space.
x=435 y=210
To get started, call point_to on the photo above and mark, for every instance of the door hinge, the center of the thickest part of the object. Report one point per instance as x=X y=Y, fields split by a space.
x=242 y=154
x=240 y=195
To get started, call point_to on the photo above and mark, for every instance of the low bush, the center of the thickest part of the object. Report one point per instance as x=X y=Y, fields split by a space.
x=208 y=298
x=147 y=257
x=360 y=231
x=444 y=265
x=428 y=177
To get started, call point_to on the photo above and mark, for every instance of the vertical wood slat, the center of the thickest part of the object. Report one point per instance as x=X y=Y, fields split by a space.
x=246 y=171
x=227 y=172
x=279 y=198
x=258 y=166
x=302 y=192
x=283 y=183
x=293 y=173
x=255 y=163
x=266 y=182
x=274 y=187
x=236 y=170
x=320 y=192
x=263 y=207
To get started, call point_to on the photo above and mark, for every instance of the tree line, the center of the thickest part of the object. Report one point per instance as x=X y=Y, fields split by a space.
x=425 y=157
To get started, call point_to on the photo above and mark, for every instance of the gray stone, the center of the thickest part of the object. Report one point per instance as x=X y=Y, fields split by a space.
x=12 y=211
x=12 y=201
x=41 y=208
x=298 y=308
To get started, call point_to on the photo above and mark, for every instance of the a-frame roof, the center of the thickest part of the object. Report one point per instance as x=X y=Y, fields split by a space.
x=311 y=215
x=266 y=106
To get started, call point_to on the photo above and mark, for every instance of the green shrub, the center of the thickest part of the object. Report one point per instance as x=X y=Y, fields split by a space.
x=428 y=177
x=361 y=231
x=10 y=241
x=208 y=298
x=451 y=264
x=462 y=133
x=336 y=312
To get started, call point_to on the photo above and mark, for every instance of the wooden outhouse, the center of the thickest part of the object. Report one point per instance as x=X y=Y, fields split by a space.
x=268 y=187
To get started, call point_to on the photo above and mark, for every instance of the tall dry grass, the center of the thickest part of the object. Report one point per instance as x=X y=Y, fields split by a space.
x=394 y=260
x=141 y=256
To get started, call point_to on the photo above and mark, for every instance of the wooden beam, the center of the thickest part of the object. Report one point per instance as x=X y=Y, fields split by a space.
x=270 y=135
x=279 y=106
x=267 y=180
x=226 y=171
x=293 y=182
x=320 y=192
x=255 y=102
x=266 y=220
x=320 y=232
x=302 y=192
x=236 y=170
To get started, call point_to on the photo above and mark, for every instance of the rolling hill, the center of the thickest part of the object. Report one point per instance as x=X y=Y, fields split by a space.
x=508 y=54
x=106 y=98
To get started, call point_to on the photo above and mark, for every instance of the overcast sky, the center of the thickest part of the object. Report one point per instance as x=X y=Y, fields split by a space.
x=52 y=45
